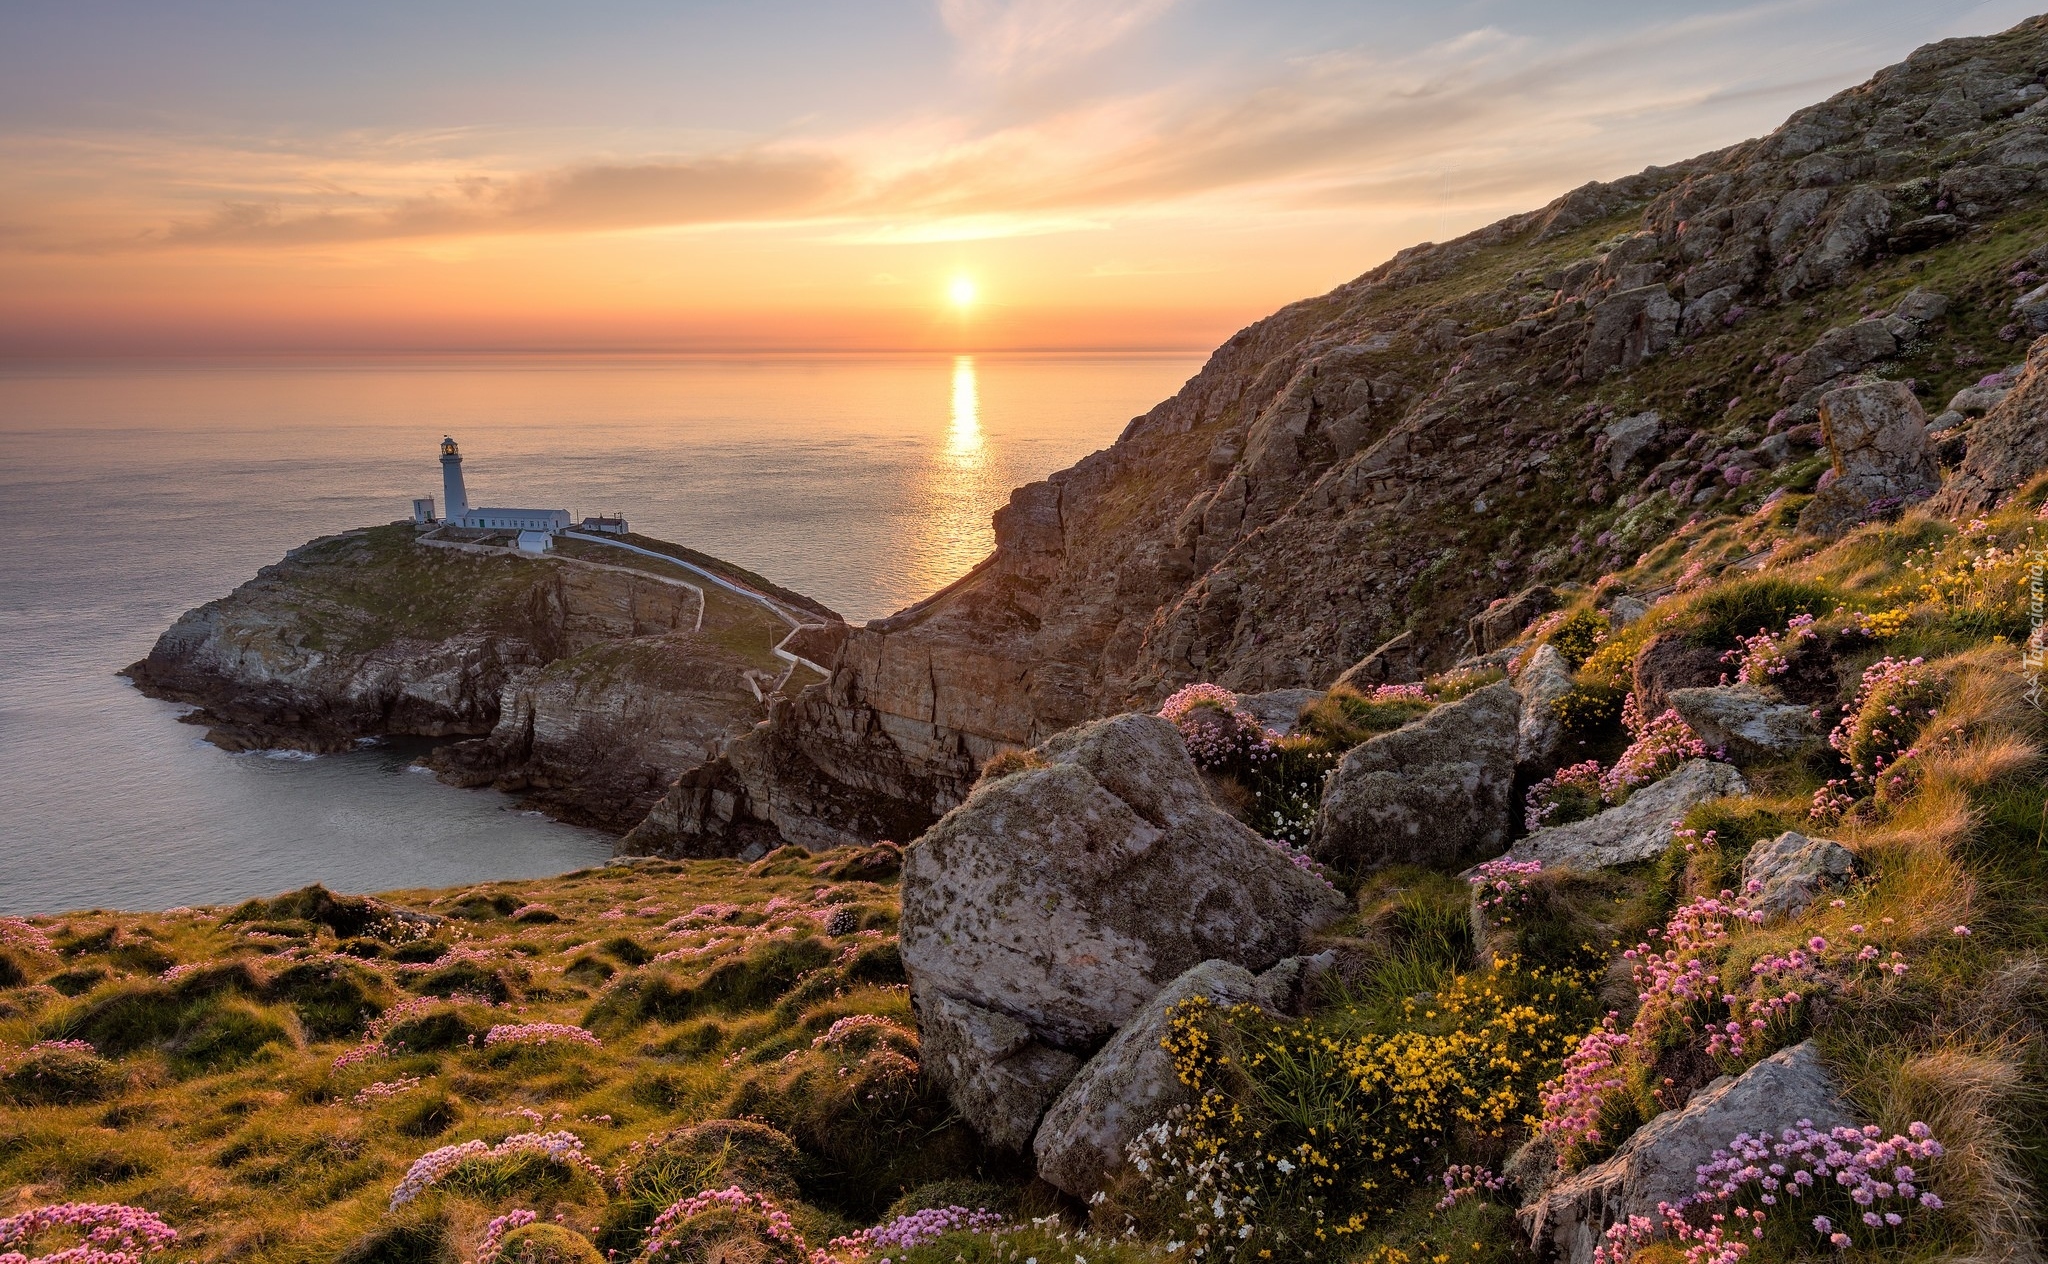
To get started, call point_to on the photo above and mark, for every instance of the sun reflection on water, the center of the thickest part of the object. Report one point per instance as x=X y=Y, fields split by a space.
x=954 y=496
x=964 y=442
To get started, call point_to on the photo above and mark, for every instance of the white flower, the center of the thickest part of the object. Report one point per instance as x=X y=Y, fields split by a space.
x=1284 y=1166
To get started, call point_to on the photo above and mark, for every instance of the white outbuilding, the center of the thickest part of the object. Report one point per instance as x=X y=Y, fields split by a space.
x=536 y=542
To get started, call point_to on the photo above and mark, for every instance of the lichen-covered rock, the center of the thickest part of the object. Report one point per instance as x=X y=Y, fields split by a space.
x=1129 y=1085
x=1544 y=680
x=1750 y=723
x=997 y=1076
x=1627 y=328
x=1877 y=434
x=1660 y=1163
x=1640 y=828
x=1793 y=870
x=1434 y=792
x=1064 y=896
x=2007 y=447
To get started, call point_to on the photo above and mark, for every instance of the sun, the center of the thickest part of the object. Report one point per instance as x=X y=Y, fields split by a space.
x=962 y=292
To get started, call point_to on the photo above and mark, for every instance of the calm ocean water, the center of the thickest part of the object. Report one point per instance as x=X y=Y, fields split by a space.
x=132 y=492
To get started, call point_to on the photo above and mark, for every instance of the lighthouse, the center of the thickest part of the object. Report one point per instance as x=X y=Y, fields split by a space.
x=453 y=497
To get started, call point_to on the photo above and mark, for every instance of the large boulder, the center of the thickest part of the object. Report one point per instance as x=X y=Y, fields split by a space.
x=1544 y=680
x=1640 y=828
x=2007 y=448
x=1398 y=662
x=1065 y=896
x=1669 y=661
x=1660 y=1163
x=1434 y=792
x=1130 y=1085
x=1877 y=435
x=1749 y=722
x=1791 y=871
x=998 y=1077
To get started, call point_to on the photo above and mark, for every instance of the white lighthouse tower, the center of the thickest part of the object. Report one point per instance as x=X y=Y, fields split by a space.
x=453 y=497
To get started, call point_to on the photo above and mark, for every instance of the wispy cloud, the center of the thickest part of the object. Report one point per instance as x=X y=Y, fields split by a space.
x=591 y=198
x=1485 y=119
x=1021 y=38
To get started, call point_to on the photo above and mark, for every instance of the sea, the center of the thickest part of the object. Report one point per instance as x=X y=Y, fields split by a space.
x=132 y=491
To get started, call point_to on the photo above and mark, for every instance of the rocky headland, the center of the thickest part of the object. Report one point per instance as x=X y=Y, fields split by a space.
x=585 y=681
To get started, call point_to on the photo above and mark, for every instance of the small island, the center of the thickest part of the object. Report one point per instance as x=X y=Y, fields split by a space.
x=581 y=669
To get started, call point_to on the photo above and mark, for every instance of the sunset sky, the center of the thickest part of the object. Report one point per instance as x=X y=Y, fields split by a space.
x=178 y=175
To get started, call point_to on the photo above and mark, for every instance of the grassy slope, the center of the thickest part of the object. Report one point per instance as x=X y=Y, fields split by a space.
x=223 y=1110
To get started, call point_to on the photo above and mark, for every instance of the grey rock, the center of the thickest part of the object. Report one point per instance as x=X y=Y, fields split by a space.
x=2032 y=309
x=1278 y=709
x=1627 y=328
x=1877 y=434
x=1659 y=1163
x=1629 y=438
x=1748 y=722
x=1794 y=870
x=1975 y=401
x=1505 y=617
x=1129 y=1086
x=1925 y=231
x=1640 y=828
x=2007 y=447
x=1775 y=450
x=1668 y=662
x=997 y=1076
x=1543 y=680
x=1433 y=792
x=1625 y=610
x=1397 y=662
x=1944 y=422
x=1921 y=306
x=1838 y=351
x=1065 y=896
x=1289 y=986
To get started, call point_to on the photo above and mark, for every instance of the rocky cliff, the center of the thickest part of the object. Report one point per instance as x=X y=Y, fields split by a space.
x=584 y=685
x=1538 y=401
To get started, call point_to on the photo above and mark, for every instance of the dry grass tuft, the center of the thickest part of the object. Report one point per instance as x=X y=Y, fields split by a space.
x=1967 y=1094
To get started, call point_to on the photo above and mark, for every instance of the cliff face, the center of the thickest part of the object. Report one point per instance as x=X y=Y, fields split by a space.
x=1538 y=401
x=588 y=688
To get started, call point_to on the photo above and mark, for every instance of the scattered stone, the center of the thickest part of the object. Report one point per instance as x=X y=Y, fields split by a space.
x=997 y=1076
x=1624 y=610
x=1794 y=871
x=1629 y=438
x=1669 y=661
x=1748 y=722
x=1660 y=1163
x=1434 y=792
x=1398 y=662
x=1543 y=680
x=1066 y=895
x=1877 y=434
x=1129 y=1086
x=1505 y=618
x=1975 y=401
x=1640 y=828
